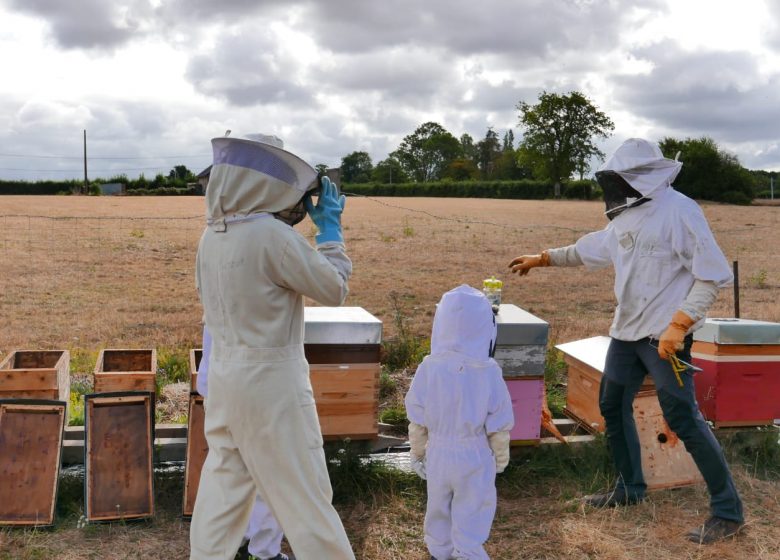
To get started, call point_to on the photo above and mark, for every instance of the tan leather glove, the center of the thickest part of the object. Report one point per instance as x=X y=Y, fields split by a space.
x=418 y=439
x=527 y=262
x=499 y=444
x=672 y=339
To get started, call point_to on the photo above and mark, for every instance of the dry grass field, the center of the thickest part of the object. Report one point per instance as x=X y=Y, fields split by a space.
x=88 y=273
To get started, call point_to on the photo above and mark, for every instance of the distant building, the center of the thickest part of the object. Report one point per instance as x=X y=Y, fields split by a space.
x=113 y=189
x=203 y=179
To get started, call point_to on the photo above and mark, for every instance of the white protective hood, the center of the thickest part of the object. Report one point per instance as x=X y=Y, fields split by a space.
x=465 y=324
x=643 y=166
x=254 y=175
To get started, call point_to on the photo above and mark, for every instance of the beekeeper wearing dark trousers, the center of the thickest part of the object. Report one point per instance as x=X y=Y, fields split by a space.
x=460 y=415
x=263 y=534
x=668 y=270
x=261 y=425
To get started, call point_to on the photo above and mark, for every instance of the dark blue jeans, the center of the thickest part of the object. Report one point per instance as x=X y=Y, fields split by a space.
x=626 y=367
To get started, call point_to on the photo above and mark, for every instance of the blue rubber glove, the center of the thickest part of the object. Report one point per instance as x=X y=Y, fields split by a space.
x=326 y=215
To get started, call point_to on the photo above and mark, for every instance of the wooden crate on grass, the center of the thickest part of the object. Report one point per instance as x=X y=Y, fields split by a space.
x=197 y=449
x=665 y=462
x=35 y=374
x=119 y=439
x=126 y=370
x=31 y=433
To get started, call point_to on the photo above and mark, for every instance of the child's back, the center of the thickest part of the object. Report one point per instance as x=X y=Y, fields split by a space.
x=459 y=405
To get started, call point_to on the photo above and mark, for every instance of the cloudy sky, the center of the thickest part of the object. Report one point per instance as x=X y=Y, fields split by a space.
x=152 y=81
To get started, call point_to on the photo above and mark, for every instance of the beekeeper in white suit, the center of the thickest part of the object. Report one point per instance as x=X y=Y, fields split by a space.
x=668 y=270
x=460 y=414
x=261 y=425
x=263 y=535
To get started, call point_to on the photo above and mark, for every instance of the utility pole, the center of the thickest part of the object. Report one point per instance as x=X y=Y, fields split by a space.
x=86 y=182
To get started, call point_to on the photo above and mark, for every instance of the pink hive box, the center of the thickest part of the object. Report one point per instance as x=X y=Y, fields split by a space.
x=527 y=397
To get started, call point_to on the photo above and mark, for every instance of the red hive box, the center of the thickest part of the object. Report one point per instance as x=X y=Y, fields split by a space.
x=740 y=381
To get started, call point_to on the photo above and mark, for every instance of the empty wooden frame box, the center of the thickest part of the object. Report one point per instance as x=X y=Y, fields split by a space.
x=665 y=462
x=119 y=436
x=197 y=448
x=31 y=433
x=35 y=374
x=126 y=370
x=740 y=381
x=521 y=350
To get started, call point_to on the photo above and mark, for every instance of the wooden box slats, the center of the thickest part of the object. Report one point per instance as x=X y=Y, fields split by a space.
x=118 y=370
x=347 y=399
x=197 y=449
x=31 y=435
x=35 y=374
x=196 y=355
x=119 y=438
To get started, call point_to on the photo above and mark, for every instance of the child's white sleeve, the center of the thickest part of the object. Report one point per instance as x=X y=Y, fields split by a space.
x=415 y=412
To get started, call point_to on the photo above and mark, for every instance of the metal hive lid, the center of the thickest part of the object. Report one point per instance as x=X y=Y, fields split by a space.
x=591 y=351
x=341 y=325
x=517 y=326
x=738 y=331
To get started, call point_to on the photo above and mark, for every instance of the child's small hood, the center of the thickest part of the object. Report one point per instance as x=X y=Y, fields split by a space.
x=464 y=323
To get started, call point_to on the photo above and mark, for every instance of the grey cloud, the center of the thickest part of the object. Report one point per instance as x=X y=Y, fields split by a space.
x=247 y=69
x=718 y=94
x=89 y=24
x=536 y=28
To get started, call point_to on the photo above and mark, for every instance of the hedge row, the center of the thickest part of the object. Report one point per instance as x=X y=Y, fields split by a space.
x=164 y=191
x=39 y=187
x=525 y=189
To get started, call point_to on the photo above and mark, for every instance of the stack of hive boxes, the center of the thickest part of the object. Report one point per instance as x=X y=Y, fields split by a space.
x=521 y=348
x=740 y=381
x=342 y=346
x=665 y=462
x=34 y=392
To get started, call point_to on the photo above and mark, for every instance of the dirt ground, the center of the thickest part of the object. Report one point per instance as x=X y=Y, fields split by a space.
x=118 y=272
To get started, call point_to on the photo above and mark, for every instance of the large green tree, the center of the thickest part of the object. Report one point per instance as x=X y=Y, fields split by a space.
x=356 y=168
x=389 y=171
x=559 y=134
x=425 y=154
x=708 y=172
x=488 y=151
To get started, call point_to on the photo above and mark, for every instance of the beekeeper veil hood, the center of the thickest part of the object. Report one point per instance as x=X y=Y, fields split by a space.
x=464 y=323
x=253 y=175
x=634 y=174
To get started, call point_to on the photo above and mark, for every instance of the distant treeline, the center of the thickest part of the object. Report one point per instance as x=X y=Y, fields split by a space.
x=526 y=189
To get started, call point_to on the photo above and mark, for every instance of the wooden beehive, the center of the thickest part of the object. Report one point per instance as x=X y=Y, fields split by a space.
x=119 y=438
x=527 y=395
x=35 y=374
x=126 y=370
x=197 y=449
x=31 y=435
x=665 y=462
x=196 y=355
x=347 y=397
x=342 y=346
x=739 y=384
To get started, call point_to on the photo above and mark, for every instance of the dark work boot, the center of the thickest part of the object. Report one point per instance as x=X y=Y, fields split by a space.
x=611 y=499
x=714 y=529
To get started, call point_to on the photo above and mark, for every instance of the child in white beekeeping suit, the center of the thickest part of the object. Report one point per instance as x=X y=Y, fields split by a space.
x=264 y=535
x=460 y=415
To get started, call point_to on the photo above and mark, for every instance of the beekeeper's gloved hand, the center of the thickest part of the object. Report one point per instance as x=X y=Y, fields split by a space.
x=326 y=215
x=672 y=339
x=527 y=262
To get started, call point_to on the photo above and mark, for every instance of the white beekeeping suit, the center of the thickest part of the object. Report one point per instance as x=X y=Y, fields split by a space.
x=264 y=533
x=460 y=402
x=261 y=423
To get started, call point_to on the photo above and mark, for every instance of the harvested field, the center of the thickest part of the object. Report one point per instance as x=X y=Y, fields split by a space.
x=84 y=273
x=121 y=273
